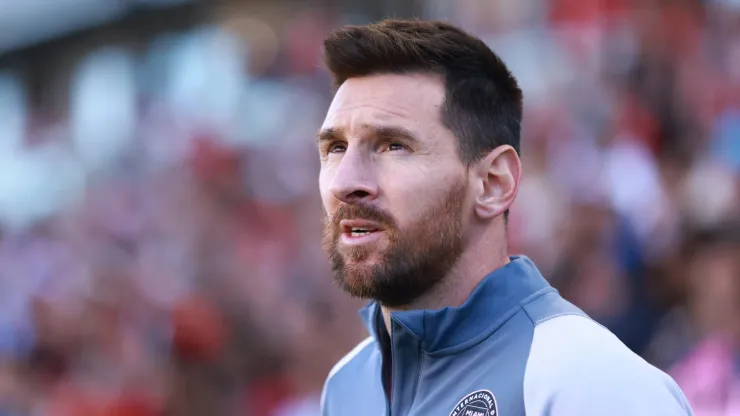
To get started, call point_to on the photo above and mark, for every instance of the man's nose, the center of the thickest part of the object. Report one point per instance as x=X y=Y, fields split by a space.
x=354 y=179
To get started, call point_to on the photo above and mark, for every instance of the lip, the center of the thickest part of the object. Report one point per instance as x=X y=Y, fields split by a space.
x=348 y=225
x=370 y=237
x=347 y=237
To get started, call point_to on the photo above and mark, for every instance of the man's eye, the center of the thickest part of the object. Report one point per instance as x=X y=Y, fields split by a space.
x=395 y=146
x=337 y=148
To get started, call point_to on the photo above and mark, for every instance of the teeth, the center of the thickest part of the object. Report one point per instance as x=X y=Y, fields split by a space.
x=357 y=232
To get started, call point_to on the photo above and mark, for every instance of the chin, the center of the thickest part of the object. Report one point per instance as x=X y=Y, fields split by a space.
x=361 y=260
x=361 y=287
x=360 y=272
x=359 y=280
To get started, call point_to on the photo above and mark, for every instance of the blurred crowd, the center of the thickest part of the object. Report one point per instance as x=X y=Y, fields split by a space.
x=159 y=231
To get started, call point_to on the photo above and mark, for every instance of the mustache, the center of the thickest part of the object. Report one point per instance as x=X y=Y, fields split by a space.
x=362 y=211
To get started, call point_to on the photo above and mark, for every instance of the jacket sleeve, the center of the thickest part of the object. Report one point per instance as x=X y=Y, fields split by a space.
x=576 y=367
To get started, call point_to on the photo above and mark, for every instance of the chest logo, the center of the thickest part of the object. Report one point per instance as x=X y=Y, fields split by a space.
x=477 y=403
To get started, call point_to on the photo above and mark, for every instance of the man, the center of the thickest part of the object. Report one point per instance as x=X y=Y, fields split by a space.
x=419 y=165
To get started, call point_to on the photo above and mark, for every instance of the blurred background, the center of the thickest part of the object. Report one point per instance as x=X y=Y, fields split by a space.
x=160 y=220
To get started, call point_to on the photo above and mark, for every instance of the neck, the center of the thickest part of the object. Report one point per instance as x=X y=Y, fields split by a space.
x=485 y=254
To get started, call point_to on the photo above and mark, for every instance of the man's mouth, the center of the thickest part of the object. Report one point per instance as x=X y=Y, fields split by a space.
x=358 y=231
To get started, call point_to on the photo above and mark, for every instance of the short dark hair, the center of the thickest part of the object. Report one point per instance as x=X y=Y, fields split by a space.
x=483 y=102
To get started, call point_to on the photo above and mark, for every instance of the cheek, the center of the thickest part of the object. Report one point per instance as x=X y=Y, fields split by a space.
x=409 y=198
x=412 y=196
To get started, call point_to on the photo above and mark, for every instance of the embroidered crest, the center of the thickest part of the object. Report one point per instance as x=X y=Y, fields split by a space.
x=478 y=403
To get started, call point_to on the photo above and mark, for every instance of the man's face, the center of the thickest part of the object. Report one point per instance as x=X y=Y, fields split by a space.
x=393 y=187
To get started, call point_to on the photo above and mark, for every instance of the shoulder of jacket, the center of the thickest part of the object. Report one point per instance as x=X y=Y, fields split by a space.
x=577 y=350
x=571 y=354
x=352 y=355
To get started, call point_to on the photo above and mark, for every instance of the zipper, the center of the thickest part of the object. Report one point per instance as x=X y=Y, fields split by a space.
x=389 y=398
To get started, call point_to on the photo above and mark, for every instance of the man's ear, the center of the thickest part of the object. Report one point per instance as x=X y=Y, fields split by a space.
x=497 y=175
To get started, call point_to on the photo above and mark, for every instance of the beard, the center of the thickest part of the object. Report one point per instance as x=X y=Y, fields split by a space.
x=415 y=259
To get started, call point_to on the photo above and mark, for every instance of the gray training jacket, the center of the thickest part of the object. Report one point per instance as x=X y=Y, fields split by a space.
x=514 y=348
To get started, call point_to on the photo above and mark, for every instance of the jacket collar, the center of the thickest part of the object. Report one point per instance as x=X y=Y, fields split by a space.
x=491 y=304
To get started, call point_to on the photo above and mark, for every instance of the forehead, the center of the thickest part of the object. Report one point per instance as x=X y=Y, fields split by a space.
x=410 y=101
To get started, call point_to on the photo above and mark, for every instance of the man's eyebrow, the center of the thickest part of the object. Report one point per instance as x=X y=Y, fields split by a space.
x=328 y=134
x=385 y=132
x=392 y=132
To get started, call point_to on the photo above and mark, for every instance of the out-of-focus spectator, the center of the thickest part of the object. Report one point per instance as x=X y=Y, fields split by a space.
x=708 y=370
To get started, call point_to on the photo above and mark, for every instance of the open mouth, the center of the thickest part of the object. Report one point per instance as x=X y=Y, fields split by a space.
x=357 y=231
